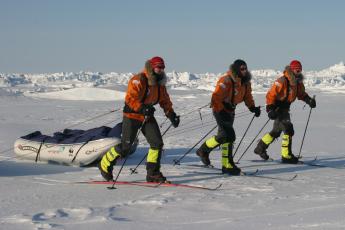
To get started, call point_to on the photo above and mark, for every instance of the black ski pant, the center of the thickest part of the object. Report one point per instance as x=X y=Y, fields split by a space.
x=226 y=132
x=130 y=128
x=282 y=124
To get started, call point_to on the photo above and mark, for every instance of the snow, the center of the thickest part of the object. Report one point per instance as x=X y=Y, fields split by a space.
x=330 y=79
x=88 y=94
x=40 y=196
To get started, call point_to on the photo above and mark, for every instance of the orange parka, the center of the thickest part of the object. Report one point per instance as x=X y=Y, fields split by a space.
x=232 y=90
x=285 y=89
x=143 y=88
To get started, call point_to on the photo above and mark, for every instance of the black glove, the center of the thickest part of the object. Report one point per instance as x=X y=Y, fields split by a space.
x=271 y=112
x=175 y=120
x=255 y=110
x=147 y=110
x=310 y=101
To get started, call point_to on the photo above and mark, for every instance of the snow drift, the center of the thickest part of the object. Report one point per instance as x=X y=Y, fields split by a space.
x=71 y=84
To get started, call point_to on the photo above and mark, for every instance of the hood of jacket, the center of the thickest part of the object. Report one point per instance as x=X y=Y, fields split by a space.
x=291 y=76
x=153 y=78
x=235 y=76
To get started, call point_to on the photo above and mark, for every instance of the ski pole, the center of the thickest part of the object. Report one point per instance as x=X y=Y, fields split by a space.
x=134 y=170
x=177 y=161
x=305 y=130
x=124 y=162
x=252 y=141
x=250 y=123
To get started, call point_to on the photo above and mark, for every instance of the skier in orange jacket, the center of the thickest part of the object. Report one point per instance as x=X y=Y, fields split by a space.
x=232 y=88
x=282 y=94
x=144 y=91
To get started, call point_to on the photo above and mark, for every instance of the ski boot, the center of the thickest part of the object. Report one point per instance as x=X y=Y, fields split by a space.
x=234 y=171
x=108 y=176
x=204 y=151
x=154 y=174
x=291 y=159
x=204 y=157
x=156 y=178
x=261 y=150
x=230 y=168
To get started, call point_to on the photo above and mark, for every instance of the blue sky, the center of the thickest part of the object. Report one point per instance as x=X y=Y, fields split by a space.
x=191 y=35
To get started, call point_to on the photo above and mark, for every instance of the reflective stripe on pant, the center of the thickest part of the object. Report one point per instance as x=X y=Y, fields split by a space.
x=267 y=139
x=226 y=155
x=109 y=159
x=153 y=155
x=212 y=142
x=153 y=161
x=286 y=146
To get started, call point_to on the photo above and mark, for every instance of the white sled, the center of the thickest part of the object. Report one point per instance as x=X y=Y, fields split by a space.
x=71 y=147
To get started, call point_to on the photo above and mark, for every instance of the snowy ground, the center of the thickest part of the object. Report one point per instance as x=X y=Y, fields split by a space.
x=36 y=196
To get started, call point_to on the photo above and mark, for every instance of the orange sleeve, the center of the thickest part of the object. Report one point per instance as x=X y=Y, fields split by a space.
x=248 y=97
x=219 y=95
x=135 y=93
x=164 y=100
x=273 y=93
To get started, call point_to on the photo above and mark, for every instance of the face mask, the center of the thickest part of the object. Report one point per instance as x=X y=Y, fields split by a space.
x=158 y=77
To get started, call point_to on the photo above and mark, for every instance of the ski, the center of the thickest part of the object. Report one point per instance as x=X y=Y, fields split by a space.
x=148 y=184
x=254 y=173
x=309 y=163
x=134 y=183
x=219 y=169
x=275 y=178
x=250 y=173
x=312 y=164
